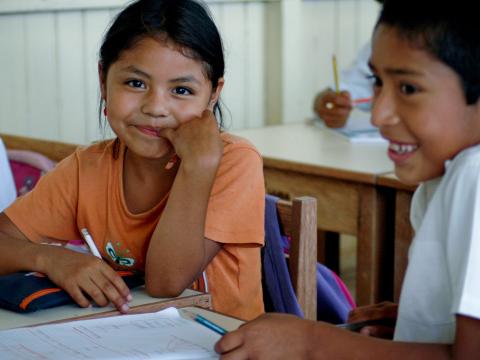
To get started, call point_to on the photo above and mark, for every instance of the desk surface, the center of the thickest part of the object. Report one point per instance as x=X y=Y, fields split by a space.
x=141 y=303
x=315 y=150
x=391 y=180
x=227 y=322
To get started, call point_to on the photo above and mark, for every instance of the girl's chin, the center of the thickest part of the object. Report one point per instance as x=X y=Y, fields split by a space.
x=155 y=152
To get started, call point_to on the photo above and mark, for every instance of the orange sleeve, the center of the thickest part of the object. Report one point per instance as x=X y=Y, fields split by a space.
x=236 y=207
x=49 y=210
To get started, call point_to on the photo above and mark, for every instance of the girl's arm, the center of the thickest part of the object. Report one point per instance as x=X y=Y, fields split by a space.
x=78 y=274
x=279 y=336
x=17 y=253
x=178 y=251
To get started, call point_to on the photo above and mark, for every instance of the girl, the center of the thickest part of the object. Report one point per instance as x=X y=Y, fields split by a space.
x=426 y=66
x=171 y=195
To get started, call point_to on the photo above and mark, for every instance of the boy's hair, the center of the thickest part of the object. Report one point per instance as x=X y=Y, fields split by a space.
x=187 y=23
x=448 y=31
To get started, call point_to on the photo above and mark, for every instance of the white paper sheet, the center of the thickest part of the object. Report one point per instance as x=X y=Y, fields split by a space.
x=161 y=335
x=358 y=128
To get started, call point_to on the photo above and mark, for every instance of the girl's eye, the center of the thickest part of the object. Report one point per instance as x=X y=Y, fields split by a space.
x=408 y=89
x=375 y=80
x=136 y=84
x=182 y=91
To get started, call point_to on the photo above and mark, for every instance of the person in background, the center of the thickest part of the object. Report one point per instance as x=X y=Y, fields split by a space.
x=8 y=192
x=173 y=196
x=356 y=91
x=426 y=65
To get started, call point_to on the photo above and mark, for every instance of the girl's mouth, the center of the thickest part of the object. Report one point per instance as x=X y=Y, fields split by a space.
x=148 y=130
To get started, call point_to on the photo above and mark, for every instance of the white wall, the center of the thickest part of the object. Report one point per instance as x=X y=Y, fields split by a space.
x=278 y=55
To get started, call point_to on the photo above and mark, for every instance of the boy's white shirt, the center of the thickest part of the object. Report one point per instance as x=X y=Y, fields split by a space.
x=8 y=193
x=443 y=275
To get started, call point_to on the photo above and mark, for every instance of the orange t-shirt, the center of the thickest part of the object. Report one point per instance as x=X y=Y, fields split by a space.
x=86 y=190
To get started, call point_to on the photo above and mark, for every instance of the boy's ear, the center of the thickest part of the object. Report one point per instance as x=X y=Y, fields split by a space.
x=102 y=81
x=216 y=93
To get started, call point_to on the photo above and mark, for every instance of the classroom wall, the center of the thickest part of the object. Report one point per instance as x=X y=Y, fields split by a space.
x=278 y=54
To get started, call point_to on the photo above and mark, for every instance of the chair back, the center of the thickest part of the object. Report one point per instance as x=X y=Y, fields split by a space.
x=296 y=220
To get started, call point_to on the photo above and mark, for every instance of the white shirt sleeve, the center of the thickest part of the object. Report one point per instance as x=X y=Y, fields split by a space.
x=355 y=79
x=8 y=193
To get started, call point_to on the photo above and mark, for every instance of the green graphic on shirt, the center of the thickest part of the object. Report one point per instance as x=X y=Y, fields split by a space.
x=118 y=258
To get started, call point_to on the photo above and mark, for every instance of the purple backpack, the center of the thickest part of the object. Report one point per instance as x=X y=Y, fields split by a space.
x=334 y=301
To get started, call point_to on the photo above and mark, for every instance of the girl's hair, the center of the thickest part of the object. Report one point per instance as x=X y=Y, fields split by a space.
x=450 y=31
x=187 y=23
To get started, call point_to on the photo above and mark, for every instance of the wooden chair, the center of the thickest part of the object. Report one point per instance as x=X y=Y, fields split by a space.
x=54 y=150
x=298 y=219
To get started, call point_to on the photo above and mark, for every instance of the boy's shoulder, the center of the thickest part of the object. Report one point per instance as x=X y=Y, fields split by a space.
x=468 y=159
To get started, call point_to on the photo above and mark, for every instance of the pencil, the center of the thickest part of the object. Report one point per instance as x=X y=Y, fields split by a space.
x=335 y=74
x=91 y=244
x=207 y=323
x=361 y=101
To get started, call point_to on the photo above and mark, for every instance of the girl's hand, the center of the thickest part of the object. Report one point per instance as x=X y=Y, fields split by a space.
x=271 y=336
x=197 y=142
x=85 y=276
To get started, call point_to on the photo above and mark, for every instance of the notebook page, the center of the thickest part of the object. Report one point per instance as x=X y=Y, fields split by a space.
x=161 y=335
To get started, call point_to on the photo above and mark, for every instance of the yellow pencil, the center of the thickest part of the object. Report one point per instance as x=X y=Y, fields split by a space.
x=335 y=74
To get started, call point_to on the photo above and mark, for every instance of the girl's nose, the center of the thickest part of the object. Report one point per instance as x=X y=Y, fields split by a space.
x=384 y=112
x=155 y=104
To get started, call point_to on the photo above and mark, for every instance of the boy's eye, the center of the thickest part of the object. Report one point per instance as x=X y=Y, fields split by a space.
x=182 y=91
x=375 y=80
x=408 y=89
x=136 y=84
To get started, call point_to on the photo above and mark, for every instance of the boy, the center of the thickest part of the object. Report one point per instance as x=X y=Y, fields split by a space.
x=426 y=66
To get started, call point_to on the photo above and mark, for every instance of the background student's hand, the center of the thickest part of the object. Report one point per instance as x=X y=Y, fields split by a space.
x=382 y=311
x=333 y=108
x=197 y=142
x=85 y=277
x=271 y=336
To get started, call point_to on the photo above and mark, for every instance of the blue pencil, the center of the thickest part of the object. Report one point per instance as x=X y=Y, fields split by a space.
x=207 y=323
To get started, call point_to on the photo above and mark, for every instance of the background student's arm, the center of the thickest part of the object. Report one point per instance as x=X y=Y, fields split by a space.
x=76 y=273
x=178 y=251
x=385 y=312
x=287 y=337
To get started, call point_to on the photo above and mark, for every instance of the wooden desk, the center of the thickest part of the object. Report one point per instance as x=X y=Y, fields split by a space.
x=403 y=233
x=302 y=159
x=141 y=303
x=227 y=322
x=54 y=150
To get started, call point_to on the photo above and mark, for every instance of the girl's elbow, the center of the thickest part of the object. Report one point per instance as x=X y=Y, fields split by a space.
x=162 y=289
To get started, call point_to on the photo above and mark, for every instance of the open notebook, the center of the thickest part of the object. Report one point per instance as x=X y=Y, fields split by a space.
x=161 y=335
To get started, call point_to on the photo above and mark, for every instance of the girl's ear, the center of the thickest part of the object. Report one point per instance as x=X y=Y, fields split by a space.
x=216 y=94
x=102 y=81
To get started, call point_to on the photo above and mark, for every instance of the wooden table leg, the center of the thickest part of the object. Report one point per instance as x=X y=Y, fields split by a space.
x=328 y=249
x=374 y=250
x=403 y=238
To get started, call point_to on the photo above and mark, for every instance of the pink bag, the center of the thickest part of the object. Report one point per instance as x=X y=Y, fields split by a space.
x=27 y=168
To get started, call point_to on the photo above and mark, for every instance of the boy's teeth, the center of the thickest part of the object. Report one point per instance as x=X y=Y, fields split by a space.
x=402 y=148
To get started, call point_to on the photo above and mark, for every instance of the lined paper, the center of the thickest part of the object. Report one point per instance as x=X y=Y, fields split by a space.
x=160 y=335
